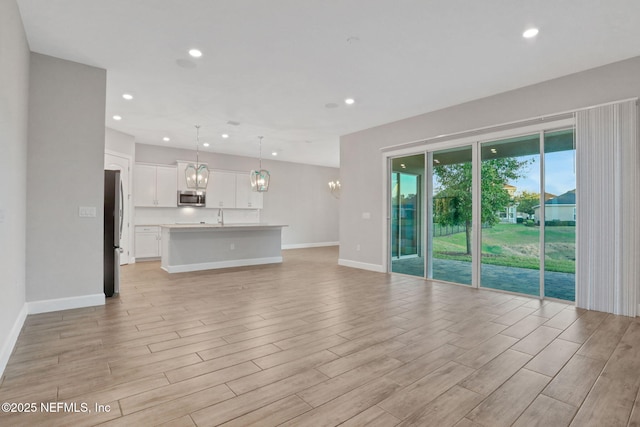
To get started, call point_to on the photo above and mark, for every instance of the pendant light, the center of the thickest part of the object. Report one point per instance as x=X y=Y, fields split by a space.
x=260 y=178
x=197 y=175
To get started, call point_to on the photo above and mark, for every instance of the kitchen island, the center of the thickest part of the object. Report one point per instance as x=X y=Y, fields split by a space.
x=193 y=247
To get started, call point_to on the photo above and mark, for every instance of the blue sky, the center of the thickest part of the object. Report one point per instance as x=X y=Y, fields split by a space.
x=560 y=173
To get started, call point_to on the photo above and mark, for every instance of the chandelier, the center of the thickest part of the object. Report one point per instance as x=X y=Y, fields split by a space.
x=197 y=175
x=260 y=178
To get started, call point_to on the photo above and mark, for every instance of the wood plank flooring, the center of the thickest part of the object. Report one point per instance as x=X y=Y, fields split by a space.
x=311 y=343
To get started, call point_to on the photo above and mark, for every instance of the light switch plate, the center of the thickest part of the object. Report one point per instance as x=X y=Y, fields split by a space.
x=87 y=211
x=366 y=215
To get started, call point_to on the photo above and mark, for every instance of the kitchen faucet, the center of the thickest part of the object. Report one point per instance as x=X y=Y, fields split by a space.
x=220 y=217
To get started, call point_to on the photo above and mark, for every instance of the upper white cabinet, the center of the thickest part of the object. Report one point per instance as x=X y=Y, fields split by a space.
x=158 y=185
x=221 y=191
x=246 y=198
x=155 y=186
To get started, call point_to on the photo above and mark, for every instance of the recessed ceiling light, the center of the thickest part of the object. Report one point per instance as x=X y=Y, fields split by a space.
x=127 y=96
x=195 y=53
x=349 y=101
x=530 y=33
x=275 y=153
x=225 y=135
x=206 y=144
x=116 y=117
x=166 y=139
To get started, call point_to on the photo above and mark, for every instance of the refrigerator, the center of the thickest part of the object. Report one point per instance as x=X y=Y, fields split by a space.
x=113 y=220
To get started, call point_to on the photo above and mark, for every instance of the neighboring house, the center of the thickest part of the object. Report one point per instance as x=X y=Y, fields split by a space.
x=508 y=215
x=561 y=208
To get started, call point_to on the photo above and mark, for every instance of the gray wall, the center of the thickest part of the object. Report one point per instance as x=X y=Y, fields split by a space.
x=298 y=194
x=66 y=163
x=14 y=92
x=361 y=160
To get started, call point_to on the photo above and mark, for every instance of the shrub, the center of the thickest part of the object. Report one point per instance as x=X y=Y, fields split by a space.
x=558 y=223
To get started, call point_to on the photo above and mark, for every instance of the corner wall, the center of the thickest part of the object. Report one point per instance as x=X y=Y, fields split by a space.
x=66 y=163
x=361 y=170
x=14 y=93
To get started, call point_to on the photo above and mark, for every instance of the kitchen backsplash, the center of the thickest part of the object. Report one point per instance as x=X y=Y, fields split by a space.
x=150 y=216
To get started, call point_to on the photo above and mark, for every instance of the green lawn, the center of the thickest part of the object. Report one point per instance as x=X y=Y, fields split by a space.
x=514 y=245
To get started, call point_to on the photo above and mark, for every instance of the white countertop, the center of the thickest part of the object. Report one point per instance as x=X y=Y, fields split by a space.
x=200 y=226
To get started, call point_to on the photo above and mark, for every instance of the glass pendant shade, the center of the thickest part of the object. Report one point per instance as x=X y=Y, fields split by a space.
x=197 y=176
x=260 y=180
x=260 y=177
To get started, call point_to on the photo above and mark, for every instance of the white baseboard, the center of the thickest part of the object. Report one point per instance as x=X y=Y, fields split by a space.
x=10 y=342
x=361 y=265
x=221 y=264
x=309 y=245
x=46 y=306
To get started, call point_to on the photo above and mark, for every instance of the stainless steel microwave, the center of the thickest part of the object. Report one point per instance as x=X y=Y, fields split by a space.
x=192 y=198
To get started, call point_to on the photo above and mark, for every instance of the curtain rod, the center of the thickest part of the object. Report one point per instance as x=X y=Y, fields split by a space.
x=504 y=126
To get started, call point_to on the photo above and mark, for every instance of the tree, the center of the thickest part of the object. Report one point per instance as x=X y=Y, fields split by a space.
x=453 y=204
x=526 y=201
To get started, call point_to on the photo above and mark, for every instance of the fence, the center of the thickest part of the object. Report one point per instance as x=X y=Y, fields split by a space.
x=446 y=230
x=440 y=230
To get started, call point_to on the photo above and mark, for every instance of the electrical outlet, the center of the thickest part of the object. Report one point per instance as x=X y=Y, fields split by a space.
x=366 y=215
x=233 y=246
x=1 y=216
x=358 y=248
x=87 y=211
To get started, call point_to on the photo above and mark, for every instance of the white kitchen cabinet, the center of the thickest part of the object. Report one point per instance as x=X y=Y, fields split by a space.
x=166 y=186
x=246 y=198
x=147 y=242
x=155 y=186
x=221 y=191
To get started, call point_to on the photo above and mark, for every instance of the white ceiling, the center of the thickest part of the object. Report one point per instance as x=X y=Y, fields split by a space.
x=274 y=65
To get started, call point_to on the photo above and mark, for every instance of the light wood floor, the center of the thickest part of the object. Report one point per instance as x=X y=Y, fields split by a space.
x=311 y=343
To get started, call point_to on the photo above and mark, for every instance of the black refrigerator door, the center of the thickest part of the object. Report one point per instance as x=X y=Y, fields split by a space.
x=112 y=215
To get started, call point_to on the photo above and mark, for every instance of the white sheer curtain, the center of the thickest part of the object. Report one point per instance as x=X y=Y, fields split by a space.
x=608 y=208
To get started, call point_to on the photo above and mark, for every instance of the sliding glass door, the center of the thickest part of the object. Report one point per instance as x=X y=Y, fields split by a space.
x=510 y=171
x=498 y=214
x=407 y=174
x=528 y=208
x=559 y=215
x=451 y=231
